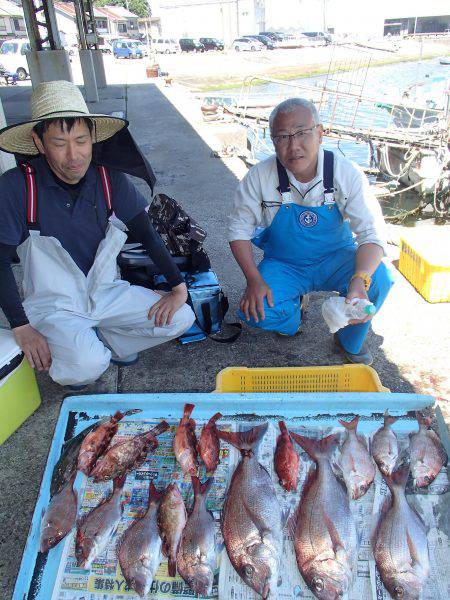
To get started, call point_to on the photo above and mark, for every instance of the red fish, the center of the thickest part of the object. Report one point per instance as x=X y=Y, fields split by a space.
x=172 y=518
x=358 y=469
x=127 y=455
x=427 y=453
x=286 y=460
x=209 y=444
x=60 y=517
x=185 y=442
x=96 y=442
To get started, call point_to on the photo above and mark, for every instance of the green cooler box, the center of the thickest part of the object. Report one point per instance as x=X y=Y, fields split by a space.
x=19 y=393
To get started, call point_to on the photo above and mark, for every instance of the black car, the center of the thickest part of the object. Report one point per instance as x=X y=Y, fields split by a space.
x=191 y=45
x=268 y=43
x=272 y=35
x=211 y=43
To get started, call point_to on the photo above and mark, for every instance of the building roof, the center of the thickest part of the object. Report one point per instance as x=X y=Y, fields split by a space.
x=9 y=9
x=65 y=7
x=119 y=12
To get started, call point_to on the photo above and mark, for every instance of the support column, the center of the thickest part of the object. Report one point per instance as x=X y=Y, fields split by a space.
x=7 y=161
x=49 y=65
x=99 y=68
x=90 y=81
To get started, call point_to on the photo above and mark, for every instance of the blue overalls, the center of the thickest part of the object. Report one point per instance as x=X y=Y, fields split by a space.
x=311 y=249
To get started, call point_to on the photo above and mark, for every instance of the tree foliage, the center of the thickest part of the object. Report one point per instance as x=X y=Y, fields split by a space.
x=138 y=7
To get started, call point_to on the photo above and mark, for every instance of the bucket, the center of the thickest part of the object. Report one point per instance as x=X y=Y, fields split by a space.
x=152 y=71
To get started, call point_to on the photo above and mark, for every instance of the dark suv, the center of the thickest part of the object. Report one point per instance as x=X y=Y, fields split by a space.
x=191 y=45
x=211 y=43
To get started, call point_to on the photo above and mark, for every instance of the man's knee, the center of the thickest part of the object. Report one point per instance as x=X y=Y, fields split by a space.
x=383 y=279
x=283 y=317
x=182 y=320
x=82 y=368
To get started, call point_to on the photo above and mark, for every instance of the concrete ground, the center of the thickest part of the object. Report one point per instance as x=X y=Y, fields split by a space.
x=410 y=338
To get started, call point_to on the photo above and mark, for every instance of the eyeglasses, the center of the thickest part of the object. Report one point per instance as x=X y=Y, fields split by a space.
x=285 y=138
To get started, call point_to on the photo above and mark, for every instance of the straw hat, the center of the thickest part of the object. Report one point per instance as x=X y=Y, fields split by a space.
x=53 y=100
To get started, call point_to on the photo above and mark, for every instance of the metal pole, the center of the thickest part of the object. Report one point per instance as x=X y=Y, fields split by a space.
x=237 y=18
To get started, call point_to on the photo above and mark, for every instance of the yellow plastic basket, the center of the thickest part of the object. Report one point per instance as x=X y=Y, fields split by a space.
x=425 y=262
x=339 y=378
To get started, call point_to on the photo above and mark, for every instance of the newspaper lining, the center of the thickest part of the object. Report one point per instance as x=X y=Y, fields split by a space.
x=104 y=580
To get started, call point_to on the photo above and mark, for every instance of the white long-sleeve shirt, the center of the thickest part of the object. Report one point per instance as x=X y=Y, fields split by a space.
x=354 y=198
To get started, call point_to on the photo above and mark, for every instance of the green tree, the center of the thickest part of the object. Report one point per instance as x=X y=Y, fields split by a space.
x=138 y=7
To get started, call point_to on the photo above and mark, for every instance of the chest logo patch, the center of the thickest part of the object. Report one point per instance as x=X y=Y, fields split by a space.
x=308 y=218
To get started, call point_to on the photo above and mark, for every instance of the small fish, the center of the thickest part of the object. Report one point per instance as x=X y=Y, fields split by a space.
x=127 y=455
x=172 y=518
x=95 y=529
x=400 y=544
x=384 y=446
x=358 y=469
x=196 y=558
x=251 y=517
x=325 y=538
x=427 y=453
x=185 y=442
x=96 y=442
x=60 y=516
x=140 y=548
x=209 y=444
x=286 y=460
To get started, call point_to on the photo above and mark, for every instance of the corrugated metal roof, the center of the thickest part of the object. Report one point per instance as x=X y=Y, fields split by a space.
x=9 y=9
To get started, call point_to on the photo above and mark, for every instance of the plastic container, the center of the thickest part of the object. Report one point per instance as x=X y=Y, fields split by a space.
x=425 y=261
x=337 y=378
x=337 y=312
x=19 y=393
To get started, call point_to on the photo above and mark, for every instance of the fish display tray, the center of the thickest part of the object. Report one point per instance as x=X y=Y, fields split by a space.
x=38 y=572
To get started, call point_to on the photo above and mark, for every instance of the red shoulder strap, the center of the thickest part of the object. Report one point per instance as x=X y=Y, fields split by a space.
x=107 y=189
x=30 y=178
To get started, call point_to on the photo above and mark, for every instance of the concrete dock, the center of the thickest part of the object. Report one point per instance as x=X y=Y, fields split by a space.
x=410 y=339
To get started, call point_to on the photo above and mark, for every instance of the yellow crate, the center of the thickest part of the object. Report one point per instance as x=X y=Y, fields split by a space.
x=425 y=261
x=339 y=378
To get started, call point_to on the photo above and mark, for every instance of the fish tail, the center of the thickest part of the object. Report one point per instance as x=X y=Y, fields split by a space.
x=117 y=416
x=160 y=428
x=422 y=420
x=132 y=411
x=398 y=478
x=172 y=566
x=215 y=418
x=388 y=419
x=316 y=448
x=244 y=440
x=119 y=482
x=154 y=494
x=350 y=425
x=201 y=489
x=188 y=408
x=283 y=428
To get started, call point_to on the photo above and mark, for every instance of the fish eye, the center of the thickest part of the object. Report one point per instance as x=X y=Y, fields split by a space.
x=399 y=591
x=249 y=570
x=318 y=584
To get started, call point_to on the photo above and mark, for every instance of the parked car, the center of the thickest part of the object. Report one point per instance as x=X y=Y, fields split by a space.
x=212 y=43
x=273 y=35
x=191 y=45
x=142 y=45
x=12 y=56
x=319 y=36
x=246 y=44
x=165 y=45
x=126 y=49
x=267 y=42
x=105 y=47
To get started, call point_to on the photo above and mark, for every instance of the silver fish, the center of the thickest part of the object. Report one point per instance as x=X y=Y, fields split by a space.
x=384 y=446
x=196 y=558
x=60 y=516
x=251 y=517
x=400 y=543
x=427 y=453
x=97 y=527
x=325 y=538
x=140 y=548
x=356 y=464
x=172 y=518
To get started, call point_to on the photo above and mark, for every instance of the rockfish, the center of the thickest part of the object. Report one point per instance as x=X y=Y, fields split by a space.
x=385 y=446
x=97 y=527
x=251 y=517
x=140 y=548
x=185 y=442
x=196 y=558
x=400 y=543
x=209 y=444
x=127 y=455
x=171 y=521
x=96 y=442
x=325 y=537
x=60 y=516
x=427 y=453
x=356 y=464
x=286 y=460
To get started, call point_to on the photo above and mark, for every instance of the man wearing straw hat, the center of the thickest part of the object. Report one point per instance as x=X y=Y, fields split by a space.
x=77 y=316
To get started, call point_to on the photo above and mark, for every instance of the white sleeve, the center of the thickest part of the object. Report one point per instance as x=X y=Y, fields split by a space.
x=363 y=211
x=246 y=214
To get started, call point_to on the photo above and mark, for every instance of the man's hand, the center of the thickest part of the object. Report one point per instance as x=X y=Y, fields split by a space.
x=34 y=345
x=356 y=289
x=164 y=309
x=252 y=302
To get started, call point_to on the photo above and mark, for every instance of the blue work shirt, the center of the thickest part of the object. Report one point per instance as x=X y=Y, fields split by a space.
x=79 y=226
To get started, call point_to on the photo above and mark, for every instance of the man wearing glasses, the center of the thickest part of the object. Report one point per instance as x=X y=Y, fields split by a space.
x=321 y=229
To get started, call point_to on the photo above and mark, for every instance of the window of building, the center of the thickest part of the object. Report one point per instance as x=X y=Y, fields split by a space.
x=2 y=25
x=122 y=27
x=19 y=24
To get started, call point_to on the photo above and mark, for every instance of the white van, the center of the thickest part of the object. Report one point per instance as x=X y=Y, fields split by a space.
x=165 y=45
x=12 y=56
